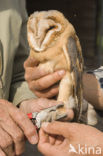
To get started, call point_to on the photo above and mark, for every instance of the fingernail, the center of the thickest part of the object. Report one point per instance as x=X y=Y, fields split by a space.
x=61 y=72
x=34 y=139
x=45 y=124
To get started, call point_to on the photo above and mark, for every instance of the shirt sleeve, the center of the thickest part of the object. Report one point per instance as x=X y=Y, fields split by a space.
x=19 y=90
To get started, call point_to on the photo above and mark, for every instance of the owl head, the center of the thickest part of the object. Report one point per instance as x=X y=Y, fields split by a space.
x=44 y=28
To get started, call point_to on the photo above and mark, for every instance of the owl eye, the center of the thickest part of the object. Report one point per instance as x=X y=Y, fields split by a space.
x=51 y=27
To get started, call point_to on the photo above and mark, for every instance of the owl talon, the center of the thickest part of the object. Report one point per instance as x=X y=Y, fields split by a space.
x=49 y=115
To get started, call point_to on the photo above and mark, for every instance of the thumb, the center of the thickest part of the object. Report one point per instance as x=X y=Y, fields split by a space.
x=44 y=145
x=58 y=128
x=30 y=62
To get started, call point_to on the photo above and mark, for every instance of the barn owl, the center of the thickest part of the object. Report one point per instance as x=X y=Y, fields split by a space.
x=54 y=43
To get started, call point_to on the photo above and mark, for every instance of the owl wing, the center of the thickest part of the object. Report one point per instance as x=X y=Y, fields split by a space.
x=74 y=54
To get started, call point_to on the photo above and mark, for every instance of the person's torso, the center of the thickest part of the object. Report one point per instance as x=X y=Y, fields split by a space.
x=11 y=16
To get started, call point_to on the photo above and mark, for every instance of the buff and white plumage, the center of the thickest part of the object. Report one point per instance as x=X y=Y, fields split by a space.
x=54 y=43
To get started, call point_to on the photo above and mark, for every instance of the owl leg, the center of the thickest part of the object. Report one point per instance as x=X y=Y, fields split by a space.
x=58 y=112
x=66 y=91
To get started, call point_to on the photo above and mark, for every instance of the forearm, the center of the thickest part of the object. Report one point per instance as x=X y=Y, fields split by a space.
x=92 y=91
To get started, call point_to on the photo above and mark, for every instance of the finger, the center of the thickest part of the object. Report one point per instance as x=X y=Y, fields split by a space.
x=47 y=93
x=59 y=140
x=43 y=137
x=59 y=128
x=43 y=104
x=2 y=153
x=35 y=73
x=52 y=139
x=6 y=143
x=30 y=62
x=25 y=124
x=44 y=145
x=16 y=133
x=47 y=149
x=47 y=81
x=37 y=105
x=70 y=115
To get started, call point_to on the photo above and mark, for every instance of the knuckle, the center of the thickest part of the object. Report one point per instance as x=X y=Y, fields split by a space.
x=18 y=116
x=30 y=132
x=56 y=76
x=19 y=137
x=27 y=77
x=53 y=91
x=21 y=116
x=31 y=86
x=8 y=142
x=40 y=85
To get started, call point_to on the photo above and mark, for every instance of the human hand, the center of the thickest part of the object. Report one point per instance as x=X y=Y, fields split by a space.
x=42 y=83
x=55 y=138
x=14 y=127
x=37 y=105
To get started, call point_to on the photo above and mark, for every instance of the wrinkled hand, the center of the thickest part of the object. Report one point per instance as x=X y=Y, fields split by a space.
x=36 y=105
x=14 y=127
x=55 y=138
x=42 y=83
